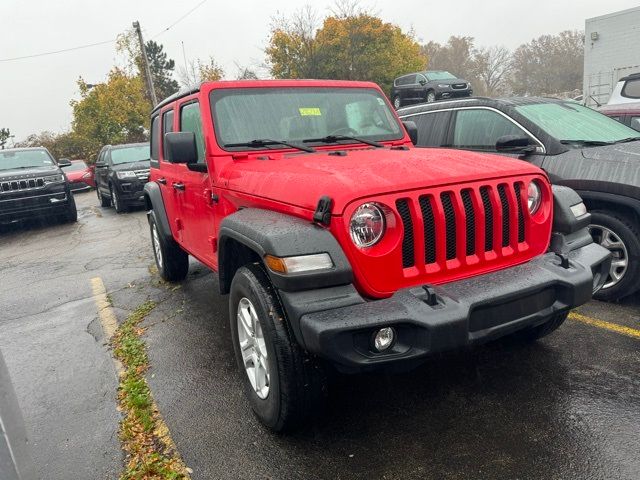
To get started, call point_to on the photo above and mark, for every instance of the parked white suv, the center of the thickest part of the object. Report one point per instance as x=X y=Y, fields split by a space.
x=627 y=90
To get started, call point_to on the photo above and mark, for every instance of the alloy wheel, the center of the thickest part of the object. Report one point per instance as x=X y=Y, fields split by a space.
x=253 y=348
x=620 y=256
x=156 y=246
x=114 y=198
x=396 y=103
x=431 y=97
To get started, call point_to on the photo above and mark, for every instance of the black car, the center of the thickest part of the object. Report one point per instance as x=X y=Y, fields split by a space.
x=32 y=184
x=121 y=172
x=428 y=87
x=577 y=147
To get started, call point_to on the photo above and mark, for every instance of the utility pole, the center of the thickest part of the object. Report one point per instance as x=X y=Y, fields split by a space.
x=145 y=62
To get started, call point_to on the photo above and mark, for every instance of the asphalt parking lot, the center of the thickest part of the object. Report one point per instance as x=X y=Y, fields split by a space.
x=565 y=407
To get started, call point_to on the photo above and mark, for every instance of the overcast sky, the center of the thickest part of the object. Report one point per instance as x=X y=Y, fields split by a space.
x=35 y=93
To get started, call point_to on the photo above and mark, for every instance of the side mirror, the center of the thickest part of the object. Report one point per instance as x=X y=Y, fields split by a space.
x=514 y=144
x=64 y=162
x=422 y=82
x=180 y=147
x=412 y=129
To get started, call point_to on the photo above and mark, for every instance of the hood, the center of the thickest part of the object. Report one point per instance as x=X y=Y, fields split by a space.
x=31 y=172
x=450 y=81
x=121 y=167
x=301 y=179
x=627 y=153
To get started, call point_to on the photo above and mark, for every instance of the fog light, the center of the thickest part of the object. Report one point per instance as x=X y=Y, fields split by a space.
x=384 y=338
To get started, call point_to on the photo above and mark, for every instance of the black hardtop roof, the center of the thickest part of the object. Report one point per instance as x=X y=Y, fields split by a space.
x=181 y=93
x=21 y=149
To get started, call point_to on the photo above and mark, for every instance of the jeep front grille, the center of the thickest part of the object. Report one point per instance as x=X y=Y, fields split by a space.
x=18 y=185
x=459 y=236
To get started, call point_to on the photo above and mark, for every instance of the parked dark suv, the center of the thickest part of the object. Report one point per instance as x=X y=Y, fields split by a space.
x=33 y=185
x=577 y=147
x=121 y=172
x=428 y=87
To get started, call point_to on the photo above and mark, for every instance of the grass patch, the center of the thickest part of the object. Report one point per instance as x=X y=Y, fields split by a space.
x=144 y=436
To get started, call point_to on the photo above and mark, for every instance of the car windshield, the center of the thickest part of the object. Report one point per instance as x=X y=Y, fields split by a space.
x=75 y=167
x=439 y=76
x=13 y=159
x=139 y=153
x=243 y=115
x=571 y=122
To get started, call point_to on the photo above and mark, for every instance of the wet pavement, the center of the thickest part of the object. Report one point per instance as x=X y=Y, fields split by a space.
x=565 y=407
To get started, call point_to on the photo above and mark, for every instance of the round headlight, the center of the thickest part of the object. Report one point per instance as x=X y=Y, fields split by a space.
x=367 y=225
x=534 y=197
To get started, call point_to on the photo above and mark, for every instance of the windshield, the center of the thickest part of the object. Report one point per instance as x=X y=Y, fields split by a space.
x=75 y=167
x=297 y=114
x=139 y=153
x=575 y=123
x=24 y=159
x=439 y=76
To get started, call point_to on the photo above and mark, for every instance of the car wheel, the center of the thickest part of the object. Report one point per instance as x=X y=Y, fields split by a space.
x=117 y=203
x=431 y=96
x=397 y=102
x=72 y=210
x=284 y=385
x=104 y=202
x=172 y=262
x=534 y=333
x=618 y=235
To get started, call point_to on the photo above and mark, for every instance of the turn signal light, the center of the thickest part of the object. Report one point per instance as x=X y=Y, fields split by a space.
x=301 y=263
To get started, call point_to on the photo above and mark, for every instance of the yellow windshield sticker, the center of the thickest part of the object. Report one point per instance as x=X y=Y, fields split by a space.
x=310 y=112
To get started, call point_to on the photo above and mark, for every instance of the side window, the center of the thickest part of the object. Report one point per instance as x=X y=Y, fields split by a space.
x=421 y=79
x=155 y=137
x=480 y=129
x=191 y=121
x=432 y=128
x=635 y=123
x=631 y=88
x=167 y=122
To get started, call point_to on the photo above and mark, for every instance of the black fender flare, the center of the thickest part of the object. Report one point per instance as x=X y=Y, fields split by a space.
x=265 y=232
x=605 y=197
x=153 y=202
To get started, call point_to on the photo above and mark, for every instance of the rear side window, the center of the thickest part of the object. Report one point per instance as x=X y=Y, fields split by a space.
x=155 y=137
x=631 y=88
x=432 y=128
x=191 y=121
x=167 y=122
x=480 y=129
x=406 y=80
x=635 y=123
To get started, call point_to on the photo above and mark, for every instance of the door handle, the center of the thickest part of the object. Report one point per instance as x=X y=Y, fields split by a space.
x=179 y=186
x=163 y=181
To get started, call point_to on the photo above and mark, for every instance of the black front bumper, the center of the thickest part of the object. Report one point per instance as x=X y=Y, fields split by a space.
x=32 y=204
x=338 y=324
x=131 y=192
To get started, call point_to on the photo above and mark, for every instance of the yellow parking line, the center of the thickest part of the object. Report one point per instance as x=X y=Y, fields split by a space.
x=613 y=327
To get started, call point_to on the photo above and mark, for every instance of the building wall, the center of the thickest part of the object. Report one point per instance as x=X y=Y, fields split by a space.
x=614 y=54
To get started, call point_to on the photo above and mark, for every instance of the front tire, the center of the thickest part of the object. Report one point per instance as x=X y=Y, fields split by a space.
x=397 y=102
x=72 y=210
x=171 y=261
x=104 y=202
x=285 y=386
x=431 y=96
x=119 y=206
x=618 y=235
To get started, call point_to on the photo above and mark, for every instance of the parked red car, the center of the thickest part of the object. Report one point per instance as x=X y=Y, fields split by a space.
x=626 y=113
x=79 y=175
x=341 y=244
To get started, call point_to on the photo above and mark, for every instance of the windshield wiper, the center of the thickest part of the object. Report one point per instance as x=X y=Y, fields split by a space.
x=627 y=140
x=588 y=143
x=337 y=138
x=265 y=142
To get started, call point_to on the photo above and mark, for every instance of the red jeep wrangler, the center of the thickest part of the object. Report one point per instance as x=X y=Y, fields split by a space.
x=340 y=244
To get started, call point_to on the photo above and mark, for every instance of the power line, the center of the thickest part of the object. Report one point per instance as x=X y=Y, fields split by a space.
x=181 y=18
x=89 y=45
x=56 y=51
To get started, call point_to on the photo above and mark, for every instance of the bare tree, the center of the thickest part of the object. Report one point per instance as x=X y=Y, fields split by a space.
x=492 y=66
x=198 y=71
